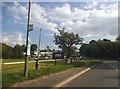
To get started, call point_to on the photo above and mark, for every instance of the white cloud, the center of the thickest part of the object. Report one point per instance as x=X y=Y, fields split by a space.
x=65 y=13
x=60 y=13
x=18 y=12
x=38 y=16
x=102 y=21
x=12 y=39
x=91 y=5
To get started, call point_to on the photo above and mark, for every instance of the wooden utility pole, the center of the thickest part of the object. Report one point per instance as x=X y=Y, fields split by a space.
x=26 y=55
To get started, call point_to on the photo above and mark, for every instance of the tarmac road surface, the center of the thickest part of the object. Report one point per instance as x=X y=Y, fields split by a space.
x=102 y=75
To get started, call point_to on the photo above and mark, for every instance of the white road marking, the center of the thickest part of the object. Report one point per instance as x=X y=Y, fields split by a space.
x=71 y=78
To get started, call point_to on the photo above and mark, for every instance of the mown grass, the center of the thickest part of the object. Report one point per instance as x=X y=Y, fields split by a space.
x=14 y=73
x=12 y=60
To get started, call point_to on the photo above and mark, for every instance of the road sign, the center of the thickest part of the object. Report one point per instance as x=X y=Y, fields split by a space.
x=31 y=27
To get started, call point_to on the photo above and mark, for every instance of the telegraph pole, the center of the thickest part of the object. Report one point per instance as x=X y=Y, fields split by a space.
x=26 y=55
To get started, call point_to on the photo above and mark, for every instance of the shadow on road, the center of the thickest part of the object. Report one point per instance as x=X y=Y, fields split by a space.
x=102 y=66
x=113 y=77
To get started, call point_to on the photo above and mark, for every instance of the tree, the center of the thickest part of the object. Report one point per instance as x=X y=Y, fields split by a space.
x=0 y=51
x=117 y=42
x=48 y=49
x=33 y=47
x=92 y=41
x=12 y=52
x=101 y=49
x=67 y=42
x=18 y=51
x=6 y=51
x=118 y=39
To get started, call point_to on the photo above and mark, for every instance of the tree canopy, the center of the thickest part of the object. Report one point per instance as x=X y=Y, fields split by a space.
x=101 y=49
x=48 y=49
x=33 y=47
x=67 y=42
x=12 y=52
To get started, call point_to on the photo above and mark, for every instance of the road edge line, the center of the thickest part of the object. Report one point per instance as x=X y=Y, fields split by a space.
x=73 y=77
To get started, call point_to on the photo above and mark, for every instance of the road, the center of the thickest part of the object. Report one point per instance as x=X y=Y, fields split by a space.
x=102 y=75
x=112 y=64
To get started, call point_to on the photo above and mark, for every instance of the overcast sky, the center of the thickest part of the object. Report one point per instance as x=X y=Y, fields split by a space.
x=91 y=20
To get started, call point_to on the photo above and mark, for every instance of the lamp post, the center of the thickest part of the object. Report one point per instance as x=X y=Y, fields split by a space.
x=39 y=42
x=37 y=60
x=26 y=55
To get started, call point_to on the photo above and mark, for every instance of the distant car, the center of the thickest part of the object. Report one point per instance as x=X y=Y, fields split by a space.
x=77 y=58
x=81 y=57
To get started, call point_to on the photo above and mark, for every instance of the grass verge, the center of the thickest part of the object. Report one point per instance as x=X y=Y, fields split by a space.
x=12 y=74
x=12 y=60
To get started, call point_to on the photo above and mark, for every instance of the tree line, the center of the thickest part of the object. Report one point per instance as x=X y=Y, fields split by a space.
x=12 y=52
x=105 y=49
x=18 y=51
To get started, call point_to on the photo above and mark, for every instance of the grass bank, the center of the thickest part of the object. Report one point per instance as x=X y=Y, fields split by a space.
x=14 y=73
